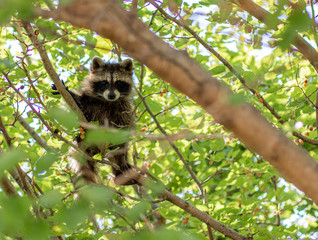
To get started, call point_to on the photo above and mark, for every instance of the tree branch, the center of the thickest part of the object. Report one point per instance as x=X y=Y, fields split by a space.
x=33 y=133
x=204 y=217
x=50 y=70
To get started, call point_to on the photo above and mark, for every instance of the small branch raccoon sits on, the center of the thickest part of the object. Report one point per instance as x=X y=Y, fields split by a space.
x=105 y=97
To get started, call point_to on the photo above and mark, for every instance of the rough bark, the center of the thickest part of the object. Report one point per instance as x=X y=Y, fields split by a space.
x=110 y=20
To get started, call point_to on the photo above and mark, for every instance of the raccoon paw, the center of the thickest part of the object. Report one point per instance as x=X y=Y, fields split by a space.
x=56 y=92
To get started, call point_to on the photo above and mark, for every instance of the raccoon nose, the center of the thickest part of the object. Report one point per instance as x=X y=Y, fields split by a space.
x=111 y=96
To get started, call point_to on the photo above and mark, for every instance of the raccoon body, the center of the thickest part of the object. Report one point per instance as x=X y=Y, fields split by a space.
x=105 y=97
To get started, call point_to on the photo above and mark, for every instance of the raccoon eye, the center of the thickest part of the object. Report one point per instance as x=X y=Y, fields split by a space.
x=100 y=86
x=104 y=83
x=122 y=86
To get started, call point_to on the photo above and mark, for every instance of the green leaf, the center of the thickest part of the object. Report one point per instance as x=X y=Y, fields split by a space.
x=50 y=199
x=36 y=229
x=103 y=45
x=155 y=106
x=138 y=210
x=11 y=7
x=10 y=159
x=217 y=144
x=299 y=20
x=6 y=111
x=237 y=99
x=100 y=196
x=5 y=64
x=102 y=137
x=218 y=70
x=66 y=118
x=45 y=162
x=73 y=216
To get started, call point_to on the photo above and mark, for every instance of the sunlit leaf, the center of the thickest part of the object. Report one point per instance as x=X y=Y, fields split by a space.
x=111 y=137
x=10 y=159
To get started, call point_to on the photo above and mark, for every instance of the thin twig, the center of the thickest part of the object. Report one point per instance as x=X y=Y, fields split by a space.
x=171 y=143
x=33 y=133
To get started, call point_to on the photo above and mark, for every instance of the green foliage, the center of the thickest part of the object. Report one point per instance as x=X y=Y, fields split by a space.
x=109 y=136
x=242 y=190
x=22 y=9
x=9 y=160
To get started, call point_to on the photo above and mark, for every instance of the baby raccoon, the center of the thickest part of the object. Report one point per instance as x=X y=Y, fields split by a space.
x=105 y=97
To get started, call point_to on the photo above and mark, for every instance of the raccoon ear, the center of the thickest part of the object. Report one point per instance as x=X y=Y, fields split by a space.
x=127 y=65
x=97 y=63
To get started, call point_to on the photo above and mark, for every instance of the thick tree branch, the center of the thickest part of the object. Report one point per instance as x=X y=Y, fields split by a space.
x=183 y=73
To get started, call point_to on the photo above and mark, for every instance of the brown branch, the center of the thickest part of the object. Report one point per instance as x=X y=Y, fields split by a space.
x=266 y=17
x=18 y=175
x=6 y=136
x=23 y=46
x=177 y=136
x=170 y=137
x=202 y=216
x=134 y=6
x=50 y=70
x=33 y=133
x=317 y=110
x=5 y=183
x=306 y=96
x=305 y=139
x=186 y=206
x=31 y=83
x=7 y=187
x=187 y=76
x=212 y=176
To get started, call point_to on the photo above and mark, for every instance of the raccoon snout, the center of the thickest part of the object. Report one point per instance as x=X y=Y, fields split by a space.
x=111 y=96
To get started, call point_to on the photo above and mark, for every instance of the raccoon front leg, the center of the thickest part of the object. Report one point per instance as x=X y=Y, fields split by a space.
x=76 y=96
x=55 y=91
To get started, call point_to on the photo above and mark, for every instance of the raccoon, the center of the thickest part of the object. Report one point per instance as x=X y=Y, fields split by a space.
x=105 y=97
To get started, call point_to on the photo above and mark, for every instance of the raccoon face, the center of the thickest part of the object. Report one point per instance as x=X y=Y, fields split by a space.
x=111 y=80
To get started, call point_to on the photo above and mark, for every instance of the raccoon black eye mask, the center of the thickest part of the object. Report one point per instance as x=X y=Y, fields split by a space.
x=122 y=87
